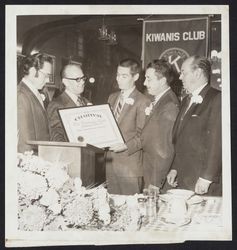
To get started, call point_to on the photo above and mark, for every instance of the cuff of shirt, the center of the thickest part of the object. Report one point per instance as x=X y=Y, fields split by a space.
x=205 y=180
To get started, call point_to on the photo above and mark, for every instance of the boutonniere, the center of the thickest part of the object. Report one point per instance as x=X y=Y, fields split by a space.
x=196 y=99
x=129 y=101
x=89 y=104
x=43 y=96
x=148 y=109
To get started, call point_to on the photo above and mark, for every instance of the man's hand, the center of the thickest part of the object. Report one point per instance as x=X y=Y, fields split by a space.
x=120 y=147
x=202 y=186
x=171 y=178
x=154 y=189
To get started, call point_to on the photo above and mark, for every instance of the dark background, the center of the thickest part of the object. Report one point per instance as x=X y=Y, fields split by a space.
x=75 y=38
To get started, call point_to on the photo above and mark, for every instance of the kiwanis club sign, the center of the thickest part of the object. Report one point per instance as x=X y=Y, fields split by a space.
x=174 y=39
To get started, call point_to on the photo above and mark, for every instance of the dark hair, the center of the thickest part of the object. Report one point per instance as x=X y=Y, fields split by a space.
x=132 y=64
x=162 y=69
x=36 y=60
x=202 y=63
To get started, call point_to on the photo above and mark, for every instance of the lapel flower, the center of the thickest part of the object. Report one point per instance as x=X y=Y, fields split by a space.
x=197 y=99
x=129 y=101
x=43 y=96
x=148 y=109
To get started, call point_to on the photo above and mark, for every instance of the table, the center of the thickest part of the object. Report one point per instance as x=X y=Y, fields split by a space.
x=207 y=214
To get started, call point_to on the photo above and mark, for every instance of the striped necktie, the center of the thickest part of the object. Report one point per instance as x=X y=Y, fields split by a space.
x=119 y=106
x=80 y=101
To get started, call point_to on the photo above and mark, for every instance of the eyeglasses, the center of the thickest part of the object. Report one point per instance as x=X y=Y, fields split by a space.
x=78 y=79
x=45 y=74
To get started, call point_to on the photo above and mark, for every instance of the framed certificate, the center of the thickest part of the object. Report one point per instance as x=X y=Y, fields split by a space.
x=94 y=124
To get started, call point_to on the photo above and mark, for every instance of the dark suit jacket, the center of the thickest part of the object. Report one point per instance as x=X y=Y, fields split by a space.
x=156 y=139
x=198 y=142
x=57 y=132
x=32 y=119
x=130 y=122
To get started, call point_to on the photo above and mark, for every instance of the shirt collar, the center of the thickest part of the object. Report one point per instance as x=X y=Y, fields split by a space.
x=31 y=86
x=198 y=90
x=126 y=92
x=157 y=97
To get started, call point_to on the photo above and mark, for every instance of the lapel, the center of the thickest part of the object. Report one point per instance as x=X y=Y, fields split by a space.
x=158 y=105
x=68 y=101
x=25 y=87
x=126 y=106
x=114 y=100
x=179 y=125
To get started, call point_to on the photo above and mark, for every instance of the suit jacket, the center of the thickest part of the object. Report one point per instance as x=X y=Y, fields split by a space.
x=32 y=121
x=156 y=139
x=131 y=121
x=57 y=132
x=198 y=142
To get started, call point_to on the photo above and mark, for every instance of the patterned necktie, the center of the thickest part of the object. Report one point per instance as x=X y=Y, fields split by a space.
x=119 y=107
x=80 y=101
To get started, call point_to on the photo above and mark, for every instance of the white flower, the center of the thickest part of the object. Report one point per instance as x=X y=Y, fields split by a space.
x=56 y=224
x=56 y=176
x=148 y=109
x=32 y=218
x=197 y=99
x=43 y=96
x=129 y=101
x=78 y=184
x=50 y=197
x=31 y=185
x=79 y=212
x=56 y=208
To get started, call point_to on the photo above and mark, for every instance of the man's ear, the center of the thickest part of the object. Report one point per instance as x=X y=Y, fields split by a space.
x=32 y=71
x=163 y=80
x=198 y=73
x=64 y=81
x=135 y=77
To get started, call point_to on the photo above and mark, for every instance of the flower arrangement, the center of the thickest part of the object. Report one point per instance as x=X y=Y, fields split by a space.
x=50 y=200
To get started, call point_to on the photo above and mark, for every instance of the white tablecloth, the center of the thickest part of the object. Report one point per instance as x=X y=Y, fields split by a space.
x=207 y=214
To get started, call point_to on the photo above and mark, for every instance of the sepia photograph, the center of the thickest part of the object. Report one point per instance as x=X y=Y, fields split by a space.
x=117 y=124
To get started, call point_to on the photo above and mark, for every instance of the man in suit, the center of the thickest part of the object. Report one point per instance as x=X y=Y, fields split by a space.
x=197 y=132
x=32 y=119
x=156 y=136
x=73 y=79
x=124 y=170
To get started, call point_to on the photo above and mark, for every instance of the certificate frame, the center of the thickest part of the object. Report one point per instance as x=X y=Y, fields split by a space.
x=92 y=124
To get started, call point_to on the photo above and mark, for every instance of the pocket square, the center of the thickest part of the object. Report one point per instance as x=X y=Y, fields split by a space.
x=194 y=115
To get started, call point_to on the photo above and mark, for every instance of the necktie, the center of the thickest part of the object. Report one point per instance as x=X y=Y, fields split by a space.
x=40 y=99
x=186 y=106
x=119 y=106
x=80 y=101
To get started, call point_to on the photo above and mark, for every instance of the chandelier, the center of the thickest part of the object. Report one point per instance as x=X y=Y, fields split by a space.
x=105 y=35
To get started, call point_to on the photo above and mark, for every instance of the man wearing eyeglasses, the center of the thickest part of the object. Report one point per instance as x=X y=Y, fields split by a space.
x=73 y=79
x=32 y=119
